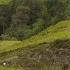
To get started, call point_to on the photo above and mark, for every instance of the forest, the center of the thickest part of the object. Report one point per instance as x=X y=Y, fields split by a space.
x=21 y=19
x=34 y=34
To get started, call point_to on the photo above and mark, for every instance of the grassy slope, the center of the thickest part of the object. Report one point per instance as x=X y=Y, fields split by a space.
x=59 y=31
x=7 y=45
x=4 y=2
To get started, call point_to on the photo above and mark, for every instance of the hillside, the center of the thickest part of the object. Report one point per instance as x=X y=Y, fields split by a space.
x=34 y=34
x=29 y=51
x=56 y=32
x=59 y=31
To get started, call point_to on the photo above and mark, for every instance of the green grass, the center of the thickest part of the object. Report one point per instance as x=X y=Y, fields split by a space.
x=9 y=68
x=59 y=31
x=7 y=45
x=4 y=2
x=46 y=68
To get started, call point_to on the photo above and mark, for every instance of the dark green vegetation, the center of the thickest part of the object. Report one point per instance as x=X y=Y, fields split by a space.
x=56 y=32
x=34 y=35
x=22 y=19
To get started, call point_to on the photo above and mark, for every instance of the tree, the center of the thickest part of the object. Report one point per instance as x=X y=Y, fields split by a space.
x=38 y=26
x=21 y=16
x=55 y=9
x=20 y=23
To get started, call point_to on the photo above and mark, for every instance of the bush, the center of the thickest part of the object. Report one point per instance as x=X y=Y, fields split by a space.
x=38 y=26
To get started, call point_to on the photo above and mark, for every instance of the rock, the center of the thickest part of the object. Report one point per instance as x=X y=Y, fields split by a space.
x=4 y=63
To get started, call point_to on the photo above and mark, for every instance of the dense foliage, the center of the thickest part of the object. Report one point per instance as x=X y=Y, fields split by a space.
x=20 y=19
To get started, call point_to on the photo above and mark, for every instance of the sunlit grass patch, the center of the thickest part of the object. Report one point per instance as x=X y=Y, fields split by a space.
x=7 y=45
x=4 y=2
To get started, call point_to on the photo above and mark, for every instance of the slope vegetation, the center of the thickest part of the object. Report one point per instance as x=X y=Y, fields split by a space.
x=4 y=2
x=56 y=32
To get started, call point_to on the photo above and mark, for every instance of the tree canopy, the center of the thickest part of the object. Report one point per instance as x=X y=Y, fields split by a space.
x=20 y=19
